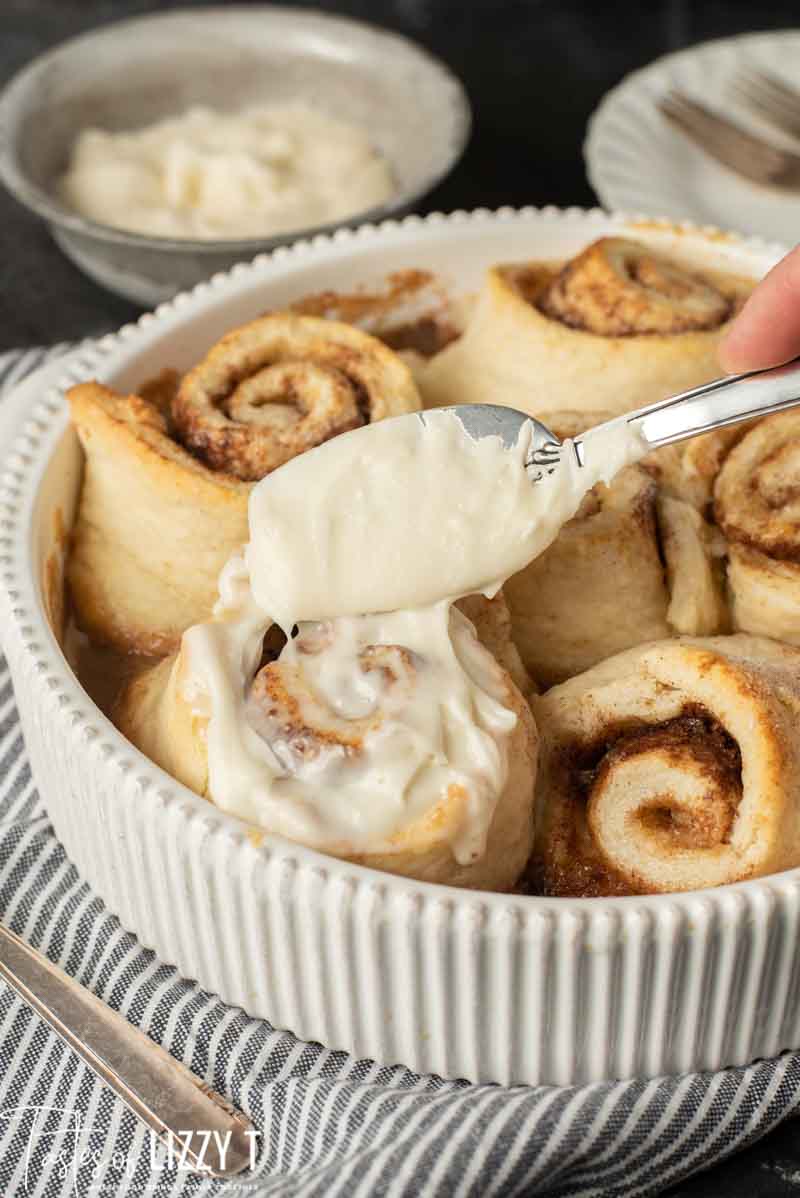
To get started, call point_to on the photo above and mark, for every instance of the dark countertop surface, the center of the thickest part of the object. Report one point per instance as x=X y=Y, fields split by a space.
x=534 y=70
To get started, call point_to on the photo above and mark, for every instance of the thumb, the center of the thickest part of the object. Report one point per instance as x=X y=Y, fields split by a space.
x=767 y=330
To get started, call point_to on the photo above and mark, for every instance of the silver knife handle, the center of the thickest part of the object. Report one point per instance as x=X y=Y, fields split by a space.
x=200 y=1127
x=714 y=405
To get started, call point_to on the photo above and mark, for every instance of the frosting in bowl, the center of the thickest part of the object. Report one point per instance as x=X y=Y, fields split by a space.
x=213 y=175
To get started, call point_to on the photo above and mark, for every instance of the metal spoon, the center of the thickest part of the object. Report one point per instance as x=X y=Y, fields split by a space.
x=725 y=401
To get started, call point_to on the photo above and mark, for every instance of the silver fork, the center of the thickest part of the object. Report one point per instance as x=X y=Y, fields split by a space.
x=199 y=1127
x=714 y=405
x=730 y=144
x=769 y=97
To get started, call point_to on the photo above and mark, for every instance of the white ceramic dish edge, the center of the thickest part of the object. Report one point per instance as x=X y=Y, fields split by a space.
x=483 y=986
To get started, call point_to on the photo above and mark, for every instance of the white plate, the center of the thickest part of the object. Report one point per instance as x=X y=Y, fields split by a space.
x=489 y=987
x=638 y=162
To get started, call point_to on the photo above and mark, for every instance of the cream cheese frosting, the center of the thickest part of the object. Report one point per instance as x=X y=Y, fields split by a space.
x=408 y=512
x=209 y=175
x=405 y=707
x=363 y=544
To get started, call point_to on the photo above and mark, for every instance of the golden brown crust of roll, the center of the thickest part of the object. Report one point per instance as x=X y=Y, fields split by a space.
x=602 y=585
x=757 y=506
x=153 y=714
x=757 y=494
x=671 y=766
x=283 y=384
x=620 y=288
x=689 y=469
x=597 y=589
x=156 y=522
x=514 y=353
x=491 y=619
x=154 y=526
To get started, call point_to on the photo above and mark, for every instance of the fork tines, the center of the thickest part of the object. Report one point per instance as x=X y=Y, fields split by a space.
x=769 y=97
x=731 y=144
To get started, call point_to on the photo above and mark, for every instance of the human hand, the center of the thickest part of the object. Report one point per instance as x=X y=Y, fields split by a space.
x=767 y=330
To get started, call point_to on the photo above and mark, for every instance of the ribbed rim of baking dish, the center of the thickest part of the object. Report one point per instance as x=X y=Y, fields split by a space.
x=22 y=473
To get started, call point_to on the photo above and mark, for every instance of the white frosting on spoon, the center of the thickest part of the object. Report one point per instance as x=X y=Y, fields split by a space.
x=405 y=513
x=368 y=723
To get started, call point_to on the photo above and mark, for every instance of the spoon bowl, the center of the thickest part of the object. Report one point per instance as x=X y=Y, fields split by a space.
x=630 y=437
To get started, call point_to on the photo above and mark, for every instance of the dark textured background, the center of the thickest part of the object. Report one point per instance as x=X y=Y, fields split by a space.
x=534 y=70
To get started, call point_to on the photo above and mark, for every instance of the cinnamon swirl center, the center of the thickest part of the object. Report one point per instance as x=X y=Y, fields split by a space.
x=646 y=791
x=757 y=493
x=618 y=288
x=312 y=729
x=281 y=385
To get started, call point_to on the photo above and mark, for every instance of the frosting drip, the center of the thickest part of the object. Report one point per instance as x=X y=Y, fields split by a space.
x=367 y=724
x=360 y=727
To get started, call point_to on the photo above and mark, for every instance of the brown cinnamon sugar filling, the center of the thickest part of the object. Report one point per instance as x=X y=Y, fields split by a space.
x=270 y=416
x=620 y=288
x=382 y=313
x=425 y=336
x=616 y=288
x=757 y=501
x=574 y=864
x=274 y=388
x=275 y=403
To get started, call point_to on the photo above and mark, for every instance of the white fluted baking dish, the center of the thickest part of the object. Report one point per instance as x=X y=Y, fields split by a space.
x=483 y=986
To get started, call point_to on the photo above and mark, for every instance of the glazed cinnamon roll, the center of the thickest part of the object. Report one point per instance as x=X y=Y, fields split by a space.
x=393 y=741
x=168 y=475
x=602 y=585
x=617 y=327
x=757 y=506
x=670 y=767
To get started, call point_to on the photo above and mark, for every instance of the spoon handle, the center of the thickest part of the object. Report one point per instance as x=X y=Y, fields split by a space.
x=714 y=405
x=199 y=1127
x=724 y=401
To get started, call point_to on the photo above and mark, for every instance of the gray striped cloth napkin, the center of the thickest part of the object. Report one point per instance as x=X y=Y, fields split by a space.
x=328 y=1124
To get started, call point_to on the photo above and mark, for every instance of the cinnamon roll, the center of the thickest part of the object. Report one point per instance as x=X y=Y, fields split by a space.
x=688 y=470
x=491 y=619
x=602 y=585
x=693 y=552
x=168 y=475
x=411 y=312
x=393 y=741
x=616 y=288
x=757 y=506
x=669 y=767
x=617 y=327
